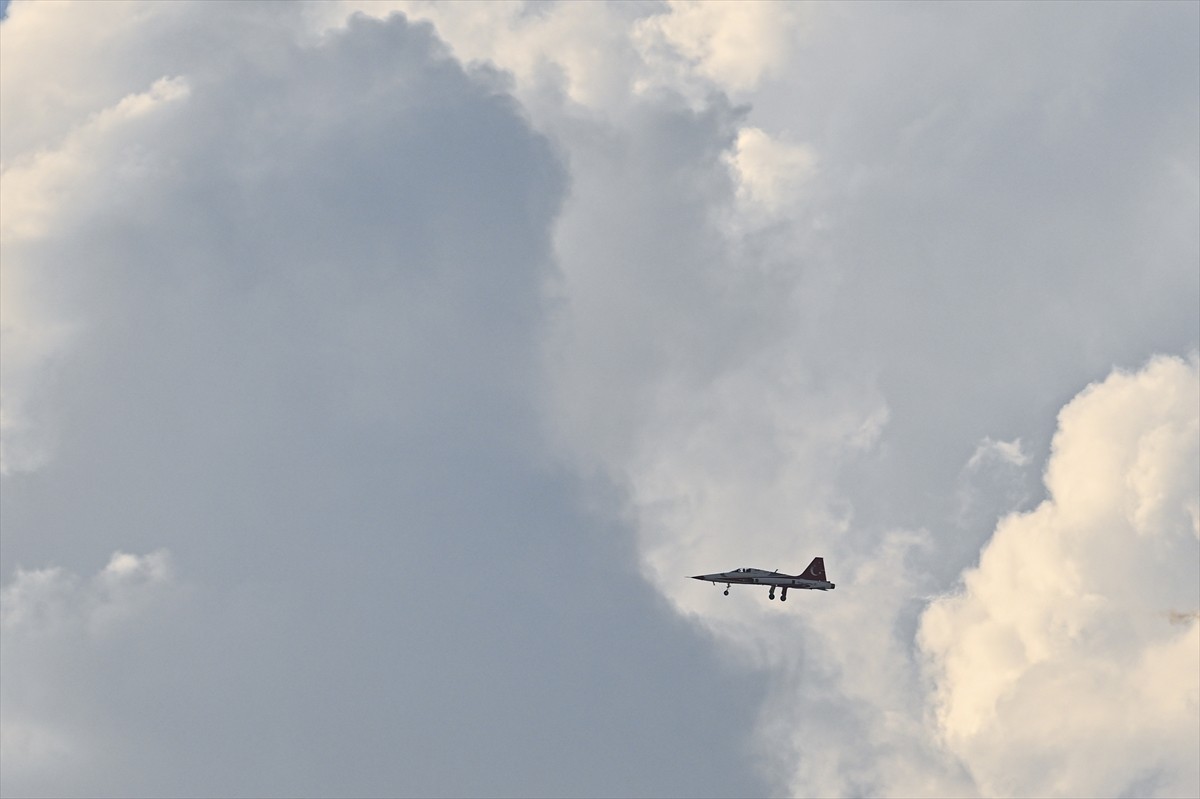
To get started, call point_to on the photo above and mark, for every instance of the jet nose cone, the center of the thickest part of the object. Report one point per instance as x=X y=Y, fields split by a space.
x=698 y=577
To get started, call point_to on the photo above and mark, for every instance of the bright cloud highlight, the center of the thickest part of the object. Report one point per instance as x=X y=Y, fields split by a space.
x=1055 y=673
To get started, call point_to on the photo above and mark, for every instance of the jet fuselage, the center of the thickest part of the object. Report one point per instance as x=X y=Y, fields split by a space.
x=812 y=578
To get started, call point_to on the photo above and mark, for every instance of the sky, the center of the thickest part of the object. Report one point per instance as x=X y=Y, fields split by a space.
x=374 y=374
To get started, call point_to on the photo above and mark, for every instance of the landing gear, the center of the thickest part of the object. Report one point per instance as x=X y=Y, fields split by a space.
x=783 y=595
x=771 y=593
x=727 y=590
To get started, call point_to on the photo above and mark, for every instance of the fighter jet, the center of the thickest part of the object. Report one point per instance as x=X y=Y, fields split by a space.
x=812 y=578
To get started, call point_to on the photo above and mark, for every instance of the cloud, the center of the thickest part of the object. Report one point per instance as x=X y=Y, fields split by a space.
x=59 y=631
x=817 y=384
x=1051 y=676
x=51 y=599
x=1008 y=452
x=308 y=305
x=995 y=481
x=733 y=47
x=41 y=194
x=770 y=173
x=642 y=286
x=577 y=52
x=36 y=183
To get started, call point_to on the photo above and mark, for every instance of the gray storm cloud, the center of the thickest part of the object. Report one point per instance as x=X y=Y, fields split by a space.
x=303 y=287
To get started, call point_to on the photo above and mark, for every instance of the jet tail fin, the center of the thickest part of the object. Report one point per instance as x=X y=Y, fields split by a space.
x=815 y=570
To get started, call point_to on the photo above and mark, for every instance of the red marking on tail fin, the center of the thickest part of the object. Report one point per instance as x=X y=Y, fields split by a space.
x=815 y=570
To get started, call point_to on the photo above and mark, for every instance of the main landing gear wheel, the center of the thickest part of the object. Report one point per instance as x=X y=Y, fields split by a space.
x=726 y=590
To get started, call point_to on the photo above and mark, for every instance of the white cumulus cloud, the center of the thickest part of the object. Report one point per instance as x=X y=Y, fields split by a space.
x=770 y=172
x=1055 y=672
x=734 y=45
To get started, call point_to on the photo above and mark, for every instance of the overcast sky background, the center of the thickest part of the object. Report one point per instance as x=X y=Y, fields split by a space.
x=374 y=374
